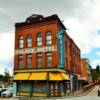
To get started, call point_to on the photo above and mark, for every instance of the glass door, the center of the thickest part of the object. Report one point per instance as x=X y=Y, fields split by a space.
x=54 y=89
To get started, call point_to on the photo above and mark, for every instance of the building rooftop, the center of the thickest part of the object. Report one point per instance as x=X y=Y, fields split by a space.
x=36 y=19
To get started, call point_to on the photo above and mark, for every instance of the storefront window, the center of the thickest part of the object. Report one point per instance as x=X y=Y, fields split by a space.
x=29 y=60
x=21 y=42
x=20 y=61
x=24 y=87
x=39 y=60
x=49 y=59
x=29 y=41
x=39 y=40
x=48 y=38
x=39 y=87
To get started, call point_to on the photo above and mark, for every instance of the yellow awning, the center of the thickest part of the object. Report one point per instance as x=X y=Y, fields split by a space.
x=22 y=76
x=38 y=76
x=55 y=77
x=65 y=76
x=58 y=76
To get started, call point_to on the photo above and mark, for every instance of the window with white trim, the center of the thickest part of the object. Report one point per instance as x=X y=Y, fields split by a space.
x=20 y=61
x=29 y=41
x=49 y=59
x=21 y=42
x=39 y=39
x=48 y=38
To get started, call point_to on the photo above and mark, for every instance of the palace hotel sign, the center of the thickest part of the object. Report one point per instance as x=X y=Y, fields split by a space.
x=36 y=50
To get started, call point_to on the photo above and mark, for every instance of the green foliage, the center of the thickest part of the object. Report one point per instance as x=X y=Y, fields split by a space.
x=96 y=73
x=4 y=78
x=97 y=69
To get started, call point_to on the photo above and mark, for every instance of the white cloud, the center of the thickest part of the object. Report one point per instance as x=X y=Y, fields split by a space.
x=6 y=52
x=81 y=17
x=80 y=33
x=95 y=63
x=6 y=46
x=98 y=53
x=83 y=28
x=96 y=42
x=3 y=68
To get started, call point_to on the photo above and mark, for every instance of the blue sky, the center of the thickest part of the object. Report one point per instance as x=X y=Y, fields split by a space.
x=94 y=57
x=81 y=18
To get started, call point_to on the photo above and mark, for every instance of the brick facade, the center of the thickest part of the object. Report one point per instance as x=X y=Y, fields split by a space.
x=65 y=57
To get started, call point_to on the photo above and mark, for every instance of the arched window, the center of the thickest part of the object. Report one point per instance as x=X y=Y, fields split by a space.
x=39 y=39
x=48 y=38
x=21 y=42
x=29 y=41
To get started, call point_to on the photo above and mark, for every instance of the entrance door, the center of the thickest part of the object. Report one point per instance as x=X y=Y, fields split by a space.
x=54 y=89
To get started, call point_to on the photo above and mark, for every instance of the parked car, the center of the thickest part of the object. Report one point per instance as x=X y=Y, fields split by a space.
x=2 y=89
x=7 y=93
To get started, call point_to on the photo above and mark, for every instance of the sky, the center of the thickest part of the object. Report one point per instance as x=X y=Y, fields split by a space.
x=81 y=18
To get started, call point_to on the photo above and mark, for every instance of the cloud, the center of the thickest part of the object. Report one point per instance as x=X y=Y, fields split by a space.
x=6 y=46
x=98 y=53
x=95 y=63
x=3 y=68
x=83 y=28
x=6 y=52
x=81 y=17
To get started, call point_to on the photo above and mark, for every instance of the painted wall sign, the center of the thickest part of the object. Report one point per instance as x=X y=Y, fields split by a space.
x=60 y=35
x=36 y=50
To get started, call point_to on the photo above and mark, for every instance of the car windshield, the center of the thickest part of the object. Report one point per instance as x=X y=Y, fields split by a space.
x=4 y=90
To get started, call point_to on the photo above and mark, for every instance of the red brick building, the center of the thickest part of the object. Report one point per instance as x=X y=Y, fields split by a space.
x=86 y=71
x=45 y=57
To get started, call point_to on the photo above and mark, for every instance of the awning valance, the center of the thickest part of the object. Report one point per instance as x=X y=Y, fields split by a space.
x=65 y=76
x=22 y=76
x=51 y=76
x=55 y=77
x=38 y=76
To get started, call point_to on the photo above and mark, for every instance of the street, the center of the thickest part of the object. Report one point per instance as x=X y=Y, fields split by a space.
x=93 y=95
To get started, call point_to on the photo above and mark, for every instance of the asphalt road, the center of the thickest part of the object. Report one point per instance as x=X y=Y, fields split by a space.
x=93 y=95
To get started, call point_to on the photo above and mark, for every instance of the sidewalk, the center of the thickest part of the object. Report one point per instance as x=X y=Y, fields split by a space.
x=77 y=93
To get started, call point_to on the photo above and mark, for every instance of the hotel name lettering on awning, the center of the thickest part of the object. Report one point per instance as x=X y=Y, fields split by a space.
x=36 y=50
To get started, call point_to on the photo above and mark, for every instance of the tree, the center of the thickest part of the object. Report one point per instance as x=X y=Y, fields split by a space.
x=98 y=71
x=6 y=75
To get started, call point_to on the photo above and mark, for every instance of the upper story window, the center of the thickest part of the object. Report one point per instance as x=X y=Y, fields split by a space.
x=21 y=42
x=49 y=59
x=39 y=60
x=20 y=61
x=29 y=41
x=48 y=38
x=29 y=60
x=39 y=39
